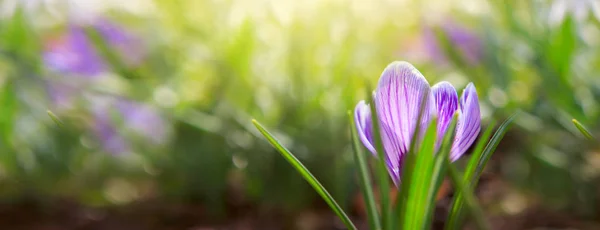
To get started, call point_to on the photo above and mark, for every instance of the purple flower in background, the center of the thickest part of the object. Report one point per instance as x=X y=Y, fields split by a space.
x=108 y=134
x=74 y=53
x=141 y=119
x=465 y=41
x=75 y=57
x=398 y=98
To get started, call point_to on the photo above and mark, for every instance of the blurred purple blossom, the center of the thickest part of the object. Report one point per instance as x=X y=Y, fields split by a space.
x=132 y=118
x=74 y=53
x=463 y=40
x=108 y=134
x=142 y=119
x=74 y=56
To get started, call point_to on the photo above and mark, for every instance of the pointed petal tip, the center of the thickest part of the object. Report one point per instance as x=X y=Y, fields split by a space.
x=360 y=103
x=471 y=86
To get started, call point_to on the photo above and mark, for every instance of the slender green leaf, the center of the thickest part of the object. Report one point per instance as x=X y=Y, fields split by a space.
x=439 y=172
x=408 y=165
x=455 y=213
x=465 y=190
x=491 y=147
x=583 y=130
x=55 y=119
x=306 y=175
x=475 y=169
x=381 y=169
x=365 y=178
x=420 y=179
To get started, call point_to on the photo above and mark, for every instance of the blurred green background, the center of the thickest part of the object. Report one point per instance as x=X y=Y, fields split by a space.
x=156 y=98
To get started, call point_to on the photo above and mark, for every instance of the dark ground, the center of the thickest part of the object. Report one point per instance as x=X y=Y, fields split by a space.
x=155 y=215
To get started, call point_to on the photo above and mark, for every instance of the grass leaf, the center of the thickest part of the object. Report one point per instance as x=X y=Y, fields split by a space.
x=55 y=119
x=475 y=168
x=438 y=173
x=404 y=202
x=583 y=130
x=306 y=175
x=467 y=193
x=365 y=178
x=420 y=181
x=455 y=214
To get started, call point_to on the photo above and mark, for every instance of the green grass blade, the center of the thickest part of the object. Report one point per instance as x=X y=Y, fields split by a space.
x=475 y=169
x=467 y=193
x=306 y=175
x=491 y=147
x=406 y=218
x=455 y=214
x=583 y=130
x=438 y=173
x=420 y=180
x=55 y=119
x=383 y=179
x=478 y=152
x=365 y=178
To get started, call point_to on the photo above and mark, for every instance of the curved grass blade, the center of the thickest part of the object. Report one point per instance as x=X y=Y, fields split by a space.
x=365 y=178
x=467 y=193
x=455 y=213
x=490 y=148
x=475 y=168
x=439 y=172
x=420 y=180
x=55 y=119
x=408 y=165
x=583 y=130
x=306 y=175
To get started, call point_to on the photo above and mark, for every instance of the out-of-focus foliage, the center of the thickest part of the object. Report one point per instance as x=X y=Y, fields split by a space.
x=174 y=123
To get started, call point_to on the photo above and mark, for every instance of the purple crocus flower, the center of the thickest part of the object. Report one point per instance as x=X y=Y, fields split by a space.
x=398 y=100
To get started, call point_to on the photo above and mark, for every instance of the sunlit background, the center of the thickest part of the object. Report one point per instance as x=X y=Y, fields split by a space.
x=156 y=98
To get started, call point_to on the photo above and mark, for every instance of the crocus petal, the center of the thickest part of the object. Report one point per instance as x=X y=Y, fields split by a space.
x=393 y=160
x=398 y=98
x=469 y=122
x=446 y=104
x=364 y=127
